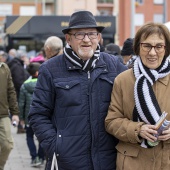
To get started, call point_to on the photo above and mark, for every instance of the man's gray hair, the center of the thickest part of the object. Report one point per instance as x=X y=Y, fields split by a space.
x=54 y=43
x=21 y=54
x=12 y=52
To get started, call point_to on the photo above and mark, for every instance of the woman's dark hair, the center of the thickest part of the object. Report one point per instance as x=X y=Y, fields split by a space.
x=149 y=29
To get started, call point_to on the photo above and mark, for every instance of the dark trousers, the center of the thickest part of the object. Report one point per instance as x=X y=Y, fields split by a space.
x=32 y=146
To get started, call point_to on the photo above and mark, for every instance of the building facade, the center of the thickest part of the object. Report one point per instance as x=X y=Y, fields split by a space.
x=144 y=11
x=126 y=21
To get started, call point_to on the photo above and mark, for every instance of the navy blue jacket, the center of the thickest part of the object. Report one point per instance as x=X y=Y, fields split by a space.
x=68 y=111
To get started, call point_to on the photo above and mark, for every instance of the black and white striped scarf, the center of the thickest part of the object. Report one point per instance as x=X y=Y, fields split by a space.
x=146 y=105
x=85 y=65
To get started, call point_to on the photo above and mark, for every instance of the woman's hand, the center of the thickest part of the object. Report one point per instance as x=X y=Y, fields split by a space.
x=147 y=132
x=165 y=135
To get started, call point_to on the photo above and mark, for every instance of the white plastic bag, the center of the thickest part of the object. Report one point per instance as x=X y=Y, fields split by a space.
x=54 y=163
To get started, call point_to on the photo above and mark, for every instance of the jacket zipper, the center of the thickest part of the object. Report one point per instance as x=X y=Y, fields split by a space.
x=88 y=73
x=91 y=164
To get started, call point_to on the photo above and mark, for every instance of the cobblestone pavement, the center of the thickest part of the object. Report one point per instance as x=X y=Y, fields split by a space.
x=19 y=158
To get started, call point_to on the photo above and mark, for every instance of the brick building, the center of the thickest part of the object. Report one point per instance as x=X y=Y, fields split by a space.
x=145 y=10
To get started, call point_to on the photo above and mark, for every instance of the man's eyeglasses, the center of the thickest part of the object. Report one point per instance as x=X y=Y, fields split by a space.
x=81 y=35
x=159 y=48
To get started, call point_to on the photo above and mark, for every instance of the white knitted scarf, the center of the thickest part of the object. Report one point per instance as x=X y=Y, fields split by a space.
x=85 y=65
x=146 y=105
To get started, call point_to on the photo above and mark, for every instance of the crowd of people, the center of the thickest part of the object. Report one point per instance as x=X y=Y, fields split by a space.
x=91 y=106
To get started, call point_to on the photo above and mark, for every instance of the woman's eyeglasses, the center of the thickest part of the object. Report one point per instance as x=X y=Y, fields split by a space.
x=81 y=35
x=159 y=48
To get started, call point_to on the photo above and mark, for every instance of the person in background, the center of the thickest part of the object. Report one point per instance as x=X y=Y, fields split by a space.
x=12 y=53
x=8 y=103
x=53 y=46
x=113 y=49
x=25 y=98
x=127 y=53
x=19 y=75
x=18 y=72
x=40 y=58
x=71 y=99
x=4 y=57
x=101 y=43
x=139 y=97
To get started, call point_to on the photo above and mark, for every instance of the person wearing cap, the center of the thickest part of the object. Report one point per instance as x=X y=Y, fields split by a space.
x=114 y=50
x=127 y=52
x=71 y=99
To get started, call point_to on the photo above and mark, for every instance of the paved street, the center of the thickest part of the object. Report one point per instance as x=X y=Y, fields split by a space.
x=19 y=158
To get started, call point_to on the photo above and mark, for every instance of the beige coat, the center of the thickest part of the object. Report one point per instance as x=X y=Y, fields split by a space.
x=131 y=156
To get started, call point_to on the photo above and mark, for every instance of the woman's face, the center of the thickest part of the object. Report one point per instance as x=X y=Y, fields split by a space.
x=152 y=51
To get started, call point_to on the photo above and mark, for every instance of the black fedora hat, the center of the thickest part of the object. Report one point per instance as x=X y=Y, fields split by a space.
x=82 y=19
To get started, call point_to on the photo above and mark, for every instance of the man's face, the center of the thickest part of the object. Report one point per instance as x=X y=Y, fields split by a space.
x=83 y=47
x=2 y=59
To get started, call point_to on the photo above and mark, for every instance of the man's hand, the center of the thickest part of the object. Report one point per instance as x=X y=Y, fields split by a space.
x=15 y=120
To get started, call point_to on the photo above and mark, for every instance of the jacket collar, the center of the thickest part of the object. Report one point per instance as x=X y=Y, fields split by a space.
x=1 y=63
x=164 y=80
x=70 y=66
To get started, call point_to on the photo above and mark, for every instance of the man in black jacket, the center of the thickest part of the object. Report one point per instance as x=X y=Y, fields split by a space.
x=71 y=100
x=19 y=75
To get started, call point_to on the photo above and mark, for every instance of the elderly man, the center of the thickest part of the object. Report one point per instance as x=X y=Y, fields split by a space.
x=71 y=100
x=12 y=53
x=53 y=46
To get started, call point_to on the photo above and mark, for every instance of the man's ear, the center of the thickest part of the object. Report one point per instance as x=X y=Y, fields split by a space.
x=48 y=48
x=67 y=37
x=99 y=37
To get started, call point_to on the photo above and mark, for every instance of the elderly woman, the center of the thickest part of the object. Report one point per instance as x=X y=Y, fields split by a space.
x=140 y=95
